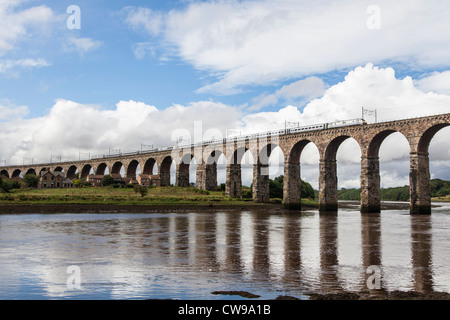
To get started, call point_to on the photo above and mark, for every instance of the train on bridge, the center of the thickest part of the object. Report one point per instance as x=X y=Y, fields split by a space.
x=280 y=132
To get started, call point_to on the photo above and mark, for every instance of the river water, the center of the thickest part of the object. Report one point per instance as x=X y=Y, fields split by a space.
x=190 y=255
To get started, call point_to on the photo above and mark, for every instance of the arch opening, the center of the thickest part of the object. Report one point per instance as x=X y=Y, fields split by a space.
x=166 y=171
x=328 y=177
x=86 y=171
x=31 y=171
x=4 y=174
x=302 y=164
x=214 y=172
x=72 y=172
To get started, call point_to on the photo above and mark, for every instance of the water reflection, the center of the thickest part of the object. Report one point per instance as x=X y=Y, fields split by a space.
x=190 y=255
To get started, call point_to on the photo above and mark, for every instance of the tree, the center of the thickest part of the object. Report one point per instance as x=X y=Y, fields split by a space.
x=276 y=188
x=31 y=180
x=107 y=180
x=143 y=191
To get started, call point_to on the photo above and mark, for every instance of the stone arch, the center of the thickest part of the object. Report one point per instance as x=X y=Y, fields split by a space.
x=207 y=173
x=427 y=136
x=16 y=173
x=234 y=160
x=183 y=169
x=292 y=184
x=85 y=171
x=370 y=171
x=419 y=177
x=328 y=181
x=31 y=171
x=261 y=191
x=164 y=170
x=58 y=169
x=101 y=169
x=71 y=172
x=4 y=173
x=149 y=166
x=375 y=143
x=132 y=169
x=116 y=167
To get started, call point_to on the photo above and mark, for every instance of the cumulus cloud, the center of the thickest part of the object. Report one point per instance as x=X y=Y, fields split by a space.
x=240 y=43
x=70 y=128
x=16 y=24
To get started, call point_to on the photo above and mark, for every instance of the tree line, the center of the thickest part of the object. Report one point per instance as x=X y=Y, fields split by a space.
x=439 y=188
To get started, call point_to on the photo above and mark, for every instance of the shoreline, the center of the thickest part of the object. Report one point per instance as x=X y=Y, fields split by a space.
x=6 y=208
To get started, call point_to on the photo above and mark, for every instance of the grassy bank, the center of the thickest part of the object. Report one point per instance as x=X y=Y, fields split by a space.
x=441 y=199
x=124 y=196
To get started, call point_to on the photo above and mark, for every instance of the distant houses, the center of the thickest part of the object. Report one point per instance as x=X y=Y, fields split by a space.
x=142 y=179
x=57 y=179
x=148 y=180
x=95 y=180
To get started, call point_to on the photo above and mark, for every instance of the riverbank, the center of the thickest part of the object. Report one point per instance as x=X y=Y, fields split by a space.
x=125 y=200
x=16 y=208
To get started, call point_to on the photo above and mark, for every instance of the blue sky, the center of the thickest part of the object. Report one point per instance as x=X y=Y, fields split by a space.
x=248 y=65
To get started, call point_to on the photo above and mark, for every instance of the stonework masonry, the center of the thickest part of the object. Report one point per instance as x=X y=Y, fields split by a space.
x=418 y=131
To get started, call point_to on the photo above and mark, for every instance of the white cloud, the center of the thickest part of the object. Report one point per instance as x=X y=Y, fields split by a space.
x=248 y=42
x=437 y=82
x=143 y=18
x=16 y=25
x=11 y=112
x=82 y=45
x=70 y=127
x=306 y=89
x=11 y=66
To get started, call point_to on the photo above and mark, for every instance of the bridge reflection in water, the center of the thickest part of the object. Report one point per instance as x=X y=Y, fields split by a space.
x=189 y=255
x=320 y=252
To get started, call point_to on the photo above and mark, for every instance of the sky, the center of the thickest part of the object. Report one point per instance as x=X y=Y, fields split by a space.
x=80 y=78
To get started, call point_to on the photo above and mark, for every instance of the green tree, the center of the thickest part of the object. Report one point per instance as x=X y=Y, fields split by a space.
x=31 y=180
x=107 y=180
x=143 y=191
x=276 y=188
x=307 y=191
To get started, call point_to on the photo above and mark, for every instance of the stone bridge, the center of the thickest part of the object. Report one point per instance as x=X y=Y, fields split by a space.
x=418 y=131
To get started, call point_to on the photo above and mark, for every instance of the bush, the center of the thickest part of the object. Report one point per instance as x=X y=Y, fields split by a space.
x=107 y=180
x=30 y=180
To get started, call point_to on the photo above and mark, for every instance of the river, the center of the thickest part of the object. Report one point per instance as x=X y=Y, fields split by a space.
x=190 y=255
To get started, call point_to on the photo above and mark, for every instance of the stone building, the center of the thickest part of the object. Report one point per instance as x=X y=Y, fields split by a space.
x=55 y=179
x=148 y=180
x=95 y=180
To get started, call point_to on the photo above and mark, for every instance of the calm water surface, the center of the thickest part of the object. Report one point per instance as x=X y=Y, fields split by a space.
x=189 y=255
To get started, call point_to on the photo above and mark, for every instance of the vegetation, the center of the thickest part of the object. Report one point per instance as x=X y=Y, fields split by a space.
x=276 y=189
x=107 y=180
x=439 y=189
x=8 y=185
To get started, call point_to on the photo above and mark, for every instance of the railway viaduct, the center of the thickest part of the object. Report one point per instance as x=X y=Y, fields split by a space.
x=418 y=131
